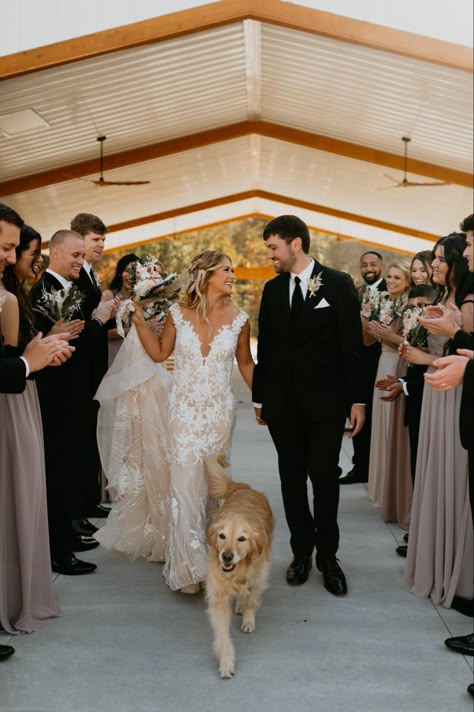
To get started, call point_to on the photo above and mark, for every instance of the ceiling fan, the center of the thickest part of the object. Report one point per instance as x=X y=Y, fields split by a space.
x=405 y=183
x=102 y=181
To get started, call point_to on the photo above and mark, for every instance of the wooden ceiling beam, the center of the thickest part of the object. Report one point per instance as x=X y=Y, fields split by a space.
x=205 y=17
x=274 y=197
x=227 y=133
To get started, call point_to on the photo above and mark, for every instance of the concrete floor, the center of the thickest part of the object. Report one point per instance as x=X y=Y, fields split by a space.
x=128 y=644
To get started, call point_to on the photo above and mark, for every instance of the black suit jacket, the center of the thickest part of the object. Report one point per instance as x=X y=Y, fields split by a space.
x=92 y=294
x=319 y=359
x=466 y=418
x=12 y=370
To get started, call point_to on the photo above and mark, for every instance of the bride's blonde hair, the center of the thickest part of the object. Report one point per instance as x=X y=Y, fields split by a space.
x=199 y=273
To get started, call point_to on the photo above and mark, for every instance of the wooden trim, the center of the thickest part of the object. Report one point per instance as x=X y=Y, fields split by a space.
x=274 y=197
x=239 y=270
x=205 y=17
x=228 y=133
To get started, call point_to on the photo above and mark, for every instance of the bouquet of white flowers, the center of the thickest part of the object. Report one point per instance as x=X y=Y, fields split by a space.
x=370 y=303
x=153 y=289
x=60 y=303
x=387 y=309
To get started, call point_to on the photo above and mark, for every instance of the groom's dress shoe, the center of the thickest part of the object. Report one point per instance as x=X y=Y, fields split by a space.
x=352 y=477
x=98 y=512
x=6 y=651
x=333 y=575
x=83 y=527
x=83 y=543
x=470 y=689
x=402 y=550
x=463 y=644
x=71 y=566
x=298 y=571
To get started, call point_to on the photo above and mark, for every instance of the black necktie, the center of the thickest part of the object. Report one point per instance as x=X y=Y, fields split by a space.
x=297 y=300
x=93 y=280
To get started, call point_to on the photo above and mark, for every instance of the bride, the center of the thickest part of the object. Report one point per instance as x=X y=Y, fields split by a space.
x=205 y=331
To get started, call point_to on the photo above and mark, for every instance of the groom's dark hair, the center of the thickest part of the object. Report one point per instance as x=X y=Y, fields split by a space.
x=288 y=227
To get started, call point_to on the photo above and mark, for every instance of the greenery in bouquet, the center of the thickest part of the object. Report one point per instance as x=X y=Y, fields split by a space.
x=413 y=332
x=152 y=288
x=370 y=303
x=60 y=303
x=387 y=309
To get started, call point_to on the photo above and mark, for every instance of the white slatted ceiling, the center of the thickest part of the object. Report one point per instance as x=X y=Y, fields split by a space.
x=367 y=97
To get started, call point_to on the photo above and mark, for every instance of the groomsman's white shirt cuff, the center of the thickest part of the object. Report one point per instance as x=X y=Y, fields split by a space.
x=404 y=386
x=27 y=366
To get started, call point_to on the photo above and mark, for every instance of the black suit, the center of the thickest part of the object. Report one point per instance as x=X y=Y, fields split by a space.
x=12 y=370
x=308 y=373
x=99 y=367
x=415 y=384
x=65 y=400
x=370 y=359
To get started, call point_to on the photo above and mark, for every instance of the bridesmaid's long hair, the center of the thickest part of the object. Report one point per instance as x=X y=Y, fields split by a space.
x=13 y=284
x=457 y=276
x=199 y=274
x=117 y=281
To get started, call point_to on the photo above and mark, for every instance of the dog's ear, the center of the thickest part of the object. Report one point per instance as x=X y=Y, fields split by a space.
x=257 y=543
x=212 y=534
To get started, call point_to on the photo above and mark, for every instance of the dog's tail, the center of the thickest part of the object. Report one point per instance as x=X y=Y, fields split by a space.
x=219 y=483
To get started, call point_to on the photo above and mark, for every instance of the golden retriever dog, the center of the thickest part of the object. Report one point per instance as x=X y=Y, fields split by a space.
x=239 y=540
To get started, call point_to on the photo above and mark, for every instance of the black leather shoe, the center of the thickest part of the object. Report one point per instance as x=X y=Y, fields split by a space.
x=83 y=527
x=402 y=550
x=6 y=651
x=298 y=571
x=84 y=543
x=352 y=477
x=405 y=538
x=72 y=566
x=98 y=512
x=333 y=575
x=463 y=644
x=470 y=689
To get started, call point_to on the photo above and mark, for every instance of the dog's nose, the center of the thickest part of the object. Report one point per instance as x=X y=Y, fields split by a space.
x=227 y=557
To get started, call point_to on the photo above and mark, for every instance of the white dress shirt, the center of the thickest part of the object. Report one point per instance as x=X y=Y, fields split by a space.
x=304 y=276
x=62 y=280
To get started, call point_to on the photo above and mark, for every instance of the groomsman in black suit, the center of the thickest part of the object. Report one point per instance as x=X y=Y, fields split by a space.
x=65 y=407
x=94 y=233
x=14 y=366
x=371 y=269
x=308 y=377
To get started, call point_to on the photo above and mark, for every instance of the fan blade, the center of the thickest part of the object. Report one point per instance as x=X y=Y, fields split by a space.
x=119 y=182
x=391 y=178
x=412 y=184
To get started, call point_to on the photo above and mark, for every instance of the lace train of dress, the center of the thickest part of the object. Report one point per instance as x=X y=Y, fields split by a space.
x=132 y=434
x=202 y=409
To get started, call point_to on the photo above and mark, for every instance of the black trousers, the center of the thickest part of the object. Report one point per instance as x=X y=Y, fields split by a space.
x=309 y=450
x=361 y=442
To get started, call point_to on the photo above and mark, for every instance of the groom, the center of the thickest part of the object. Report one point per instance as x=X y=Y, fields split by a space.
x=308 y=376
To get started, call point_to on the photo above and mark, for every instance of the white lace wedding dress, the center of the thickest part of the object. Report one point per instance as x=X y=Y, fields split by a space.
x=132 y=436
x=202 y=408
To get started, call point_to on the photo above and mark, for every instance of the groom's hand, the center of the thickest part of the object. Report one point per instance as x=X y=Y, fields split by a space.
x=258 y=412
x=357 y=419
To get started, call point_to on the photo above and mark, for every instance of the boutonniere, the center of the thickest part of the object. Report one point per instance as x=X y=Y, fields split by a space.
x=2 y=299
x=96 y=277
x=314 y=283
